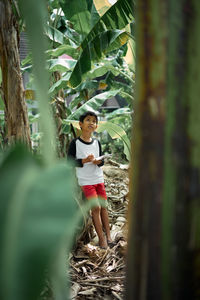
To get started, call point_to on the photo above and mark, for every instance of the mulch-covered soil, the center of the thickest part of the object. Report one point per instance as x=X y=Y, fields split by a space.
x=100 y=273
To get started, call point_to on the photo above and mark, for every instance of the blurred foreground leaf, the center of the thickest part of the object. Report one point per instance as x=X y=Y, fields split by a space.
x=37 y=212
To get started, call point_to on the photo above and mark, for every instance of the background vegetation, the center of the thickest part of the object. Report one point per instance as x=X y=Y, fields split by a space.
x=39 y=211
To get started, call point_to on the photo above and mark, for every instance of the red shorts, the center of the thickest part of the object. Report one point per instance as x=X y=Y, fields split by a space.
x=94 y=191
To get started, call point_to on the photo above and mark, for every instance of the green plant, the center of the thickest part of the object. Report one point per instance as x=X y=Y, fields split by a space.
x=95 y=46
x=38 y=212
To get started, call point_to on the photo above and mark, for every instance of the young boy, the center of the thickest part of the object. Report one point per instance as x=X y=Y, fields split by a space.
x=84 y=150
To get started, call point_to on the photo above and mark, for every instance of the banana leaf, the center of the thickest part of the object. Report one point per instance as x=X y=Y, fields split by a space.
x=64 y=49
x=99 y=46
x=60 y=64
x=62 y=83
x=82 y=14
x=55 y=35
x=117 y=16
x=93 y=104
x=101 y=69
x=115 y=131
x=119 y=112
x=70 y=37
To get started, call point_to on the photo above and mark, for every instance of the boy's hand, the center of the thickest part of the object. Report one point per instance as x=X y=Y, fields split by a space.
x=97 y=162
x=89 y=158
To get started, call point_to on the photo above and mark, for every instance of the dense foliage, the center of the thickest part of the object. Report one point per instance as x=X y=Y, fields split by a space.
x=39 y=211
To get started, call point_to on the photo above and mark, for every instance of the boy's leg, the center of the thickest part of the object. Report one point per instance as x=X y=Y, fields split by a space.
x=105 y=222
x=96 y=218
x=104 y=213
x=90 y=193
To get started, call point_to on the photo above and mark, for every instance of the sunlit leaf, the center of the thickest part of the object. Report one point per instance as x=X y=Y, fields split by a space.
x=117 y=16
x=29 y=94
x=102 y=85
x=73 y=122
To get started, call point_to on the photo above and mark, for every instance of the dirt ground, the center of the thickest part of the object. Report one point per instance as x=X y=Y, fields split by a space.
x=99 y=273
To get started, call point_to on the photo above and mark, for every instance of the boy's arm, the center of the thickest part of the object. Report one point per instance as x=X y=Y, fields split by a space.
x=100 y=154
x=72 y=154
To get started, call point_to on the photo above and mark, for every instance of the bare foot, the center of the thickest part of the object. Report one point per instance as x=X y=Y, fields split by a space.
x=103 y=243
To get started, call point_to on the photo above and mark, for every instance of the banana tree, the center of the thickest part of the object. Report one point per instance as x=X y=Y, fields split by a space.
x=83 y=55
x=101 y=40
x=12 y=93
x=105 y=35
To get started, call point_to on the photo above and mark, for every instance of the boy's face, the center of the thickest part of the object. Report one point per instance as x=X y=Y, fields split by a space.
x=89 y=124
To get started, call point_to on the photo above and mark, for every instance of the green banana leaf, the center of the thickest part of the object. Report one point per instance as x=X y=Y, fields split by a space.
x=56 y=35
x=82 y=14
x=27 y=60
x=75 y=102
x=124 y=111
x=62 y=83
x=96 y=49
x=101 y=69
x=115 y=131
x=117 y=16
x=64 y=49
x=60 y=64
x=69 y=37
x=92 y=104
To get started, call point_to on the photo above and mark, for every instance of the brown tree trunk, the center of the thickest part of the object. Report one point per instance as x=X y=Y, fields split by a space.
x=143 y=270
x=16 y=117
x=164 y=232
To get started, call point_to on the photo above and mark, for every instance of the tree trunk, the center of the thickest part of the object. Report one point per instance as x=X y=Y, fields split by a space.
x=60 y=115
x=164 y=229
x=16 y=117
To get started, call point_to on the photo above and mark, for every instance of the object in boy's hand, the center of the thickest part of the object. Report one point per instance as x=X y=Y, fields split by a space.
x=103 y=156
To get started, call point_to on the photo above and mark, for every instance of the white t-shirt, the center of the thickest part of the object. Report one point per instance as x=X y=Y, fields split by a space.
x=88 y=173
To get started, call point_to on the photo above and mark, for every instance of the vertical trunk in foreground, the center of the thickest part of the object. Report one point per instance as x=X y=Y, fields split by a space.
x=16 y=117
x=164 y=231
x=144 y=274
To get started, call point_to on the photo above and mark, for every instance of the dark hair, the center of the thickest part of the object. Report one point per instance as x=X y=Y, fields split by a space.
x=88 y=113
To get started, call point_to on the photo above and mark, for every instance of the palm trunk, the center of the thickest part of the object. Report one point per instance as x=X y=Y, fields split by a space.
x=164 y=244
x=16 y=117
